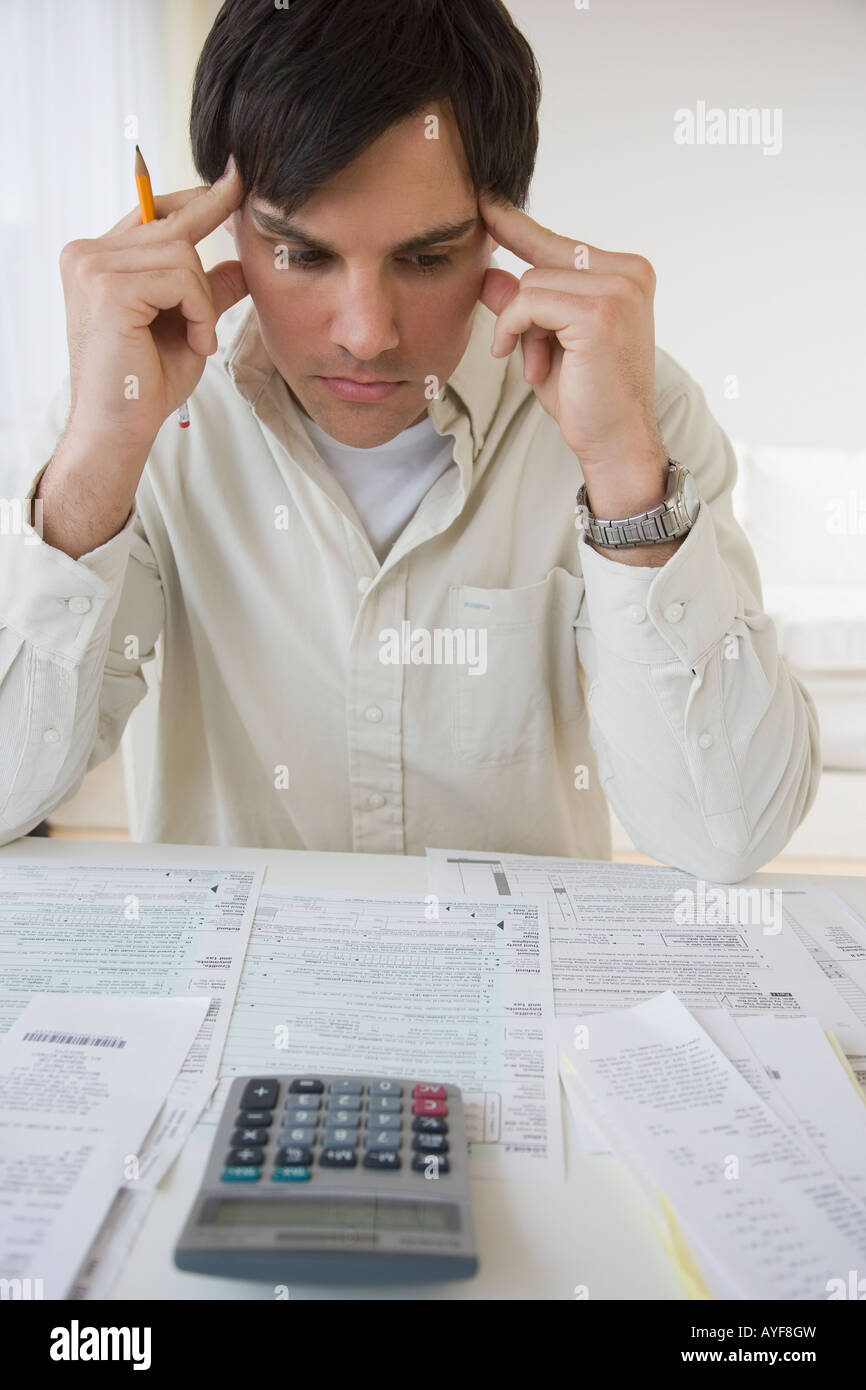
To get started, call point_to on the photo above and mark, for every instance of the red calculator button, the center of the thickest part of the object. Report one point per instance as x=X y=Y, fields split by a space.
x=426 y=1091
x=429 y=1107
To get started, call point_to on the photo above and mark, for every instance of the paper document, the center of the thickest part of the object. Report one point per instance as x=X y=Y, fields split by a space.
x=762 y=1211
x=356 y=984
x=120 y=930
x=621 y=933
x=82 y=1078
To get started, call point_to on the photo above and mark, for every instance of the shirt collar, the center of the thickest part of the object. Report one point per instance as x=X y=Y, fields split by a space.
x=465 y=408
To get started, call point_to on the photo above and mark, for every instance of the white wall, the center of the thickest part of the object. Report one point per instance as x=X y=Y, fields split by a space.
x=761 y=259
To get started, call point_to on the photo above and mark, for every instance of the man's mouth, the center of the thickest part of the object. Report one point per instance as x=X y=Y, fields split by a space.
x=352 y=389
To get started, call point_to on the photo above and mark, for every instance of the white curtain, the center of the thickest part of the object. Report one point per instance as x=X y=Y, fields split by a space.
x=81 y=82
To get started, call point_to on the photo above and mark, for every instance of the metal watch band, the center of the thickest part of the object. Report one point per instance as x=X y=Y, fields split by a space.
x=668 y=521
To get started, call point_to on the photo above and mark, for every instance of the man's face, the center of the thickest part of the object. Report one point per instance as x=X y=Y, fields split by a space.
x=374 y=289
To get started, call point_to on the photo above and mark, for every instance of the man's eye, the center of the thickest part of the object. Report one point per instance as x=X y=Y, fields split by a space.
x=425 y=262
x=304 y=259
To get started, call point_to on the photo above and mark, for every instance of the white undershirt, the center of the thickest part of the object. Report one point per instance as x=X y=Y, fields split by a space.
x=386 y=483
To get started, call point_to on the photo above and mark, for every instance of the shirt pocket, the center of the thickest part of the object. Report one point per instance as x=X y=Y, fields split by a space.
x=508 y=711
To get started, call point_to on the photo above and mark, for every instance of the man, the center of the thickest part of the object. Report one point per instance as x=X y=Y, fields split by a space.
x=384 y=620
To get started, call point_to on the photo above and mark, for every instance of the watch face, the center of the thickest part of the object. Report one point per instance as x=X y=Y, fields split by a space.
x=691 y=497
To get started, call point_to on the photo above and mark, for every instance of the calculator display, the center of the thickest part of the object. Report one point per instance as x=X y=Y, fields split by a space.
x=334 y=1215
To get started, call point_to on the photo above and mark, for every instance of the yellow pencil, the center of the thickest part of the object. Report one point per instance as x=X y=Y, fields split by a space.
x=148 y=214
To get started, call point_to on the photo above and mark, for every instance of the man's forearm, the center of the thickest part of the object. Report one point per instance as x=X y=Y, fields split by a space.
x=87 y=493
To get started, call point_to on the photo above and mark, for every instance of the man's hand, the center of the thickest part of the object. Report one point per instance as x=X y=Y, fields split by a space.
x=141 y=313
x=584 y=319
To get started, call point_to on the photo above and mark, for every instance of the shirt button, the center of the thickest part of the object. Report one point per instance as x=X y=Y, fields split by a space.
x=375 y=799
x=705 y=740
x=373 y=713
x=51 y=736
x=79 y=604
x=674 y=612
x=363 y=584
x=636 y=612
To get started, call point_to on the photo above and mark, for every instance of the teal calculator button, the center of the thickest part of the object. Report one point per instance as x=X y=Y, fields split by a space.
x=295 y=1173
x=241 y=1174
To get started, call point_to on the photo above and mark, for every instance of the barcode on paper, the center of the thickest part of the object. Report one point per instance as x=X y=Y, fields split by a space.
x=80 y=1039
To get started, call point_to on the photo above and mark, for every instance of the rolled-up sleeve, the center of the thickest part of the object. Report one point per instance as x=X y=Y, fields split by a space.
x=706 y=744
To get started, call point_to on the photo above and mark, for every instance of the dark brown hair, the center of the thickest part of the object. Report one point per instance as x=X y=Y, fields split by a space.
x=295 y=94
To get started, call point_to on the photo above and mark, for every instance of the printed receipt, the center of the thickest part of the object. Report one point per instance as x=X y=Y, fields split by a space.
x=765 y=1213
x=373 y=985
x=82 y=1078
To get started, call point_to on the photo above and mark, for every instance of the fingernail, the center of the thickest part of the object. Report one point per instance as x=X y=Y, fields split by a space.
x=229 y=169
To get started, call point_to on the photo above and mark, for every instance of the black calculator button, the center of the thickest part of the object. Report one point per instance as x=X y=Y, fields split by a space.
x=348 y=1084
x=383 y=1139
x=246 y=1157
x=389 y=1104
x=346 y=1119
x=385 y=1088
x=253 y=1118
x=434 y=1164
x=380 y=1119
x=382 y=1160
x=344 y=1100
x=306 y=1085
x=290 y=1155
x=340 y=1138
x=430 y=1144
x=338 y=1158
x=300 y=1134
x=304 y=1102
x=260 y=1094
x=429 y=1124
x=249 y=1136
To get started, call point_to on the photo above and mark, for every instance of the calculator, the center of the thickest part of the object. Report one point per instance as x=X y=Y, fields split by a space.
x=335 y=1179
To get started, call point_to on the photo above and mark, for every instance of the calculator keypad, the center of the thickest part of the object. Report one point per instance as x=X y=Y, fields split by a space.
x=336 y=1124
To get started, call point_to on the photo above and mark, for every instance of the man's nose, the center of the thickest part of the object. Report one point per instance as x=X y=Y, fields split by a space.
x=364 y=321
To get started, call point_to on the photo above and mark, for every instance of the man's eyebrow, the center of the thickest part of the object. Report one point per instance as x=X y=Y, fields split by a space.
x=277 y=225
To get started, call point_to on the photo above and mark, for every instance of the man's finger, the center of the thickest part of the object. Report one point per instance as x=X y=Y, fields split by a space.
x=498 y=288
x=526 y=238
x=163 y=205
x=227 y=285
x=191 y=213
x=201 y=216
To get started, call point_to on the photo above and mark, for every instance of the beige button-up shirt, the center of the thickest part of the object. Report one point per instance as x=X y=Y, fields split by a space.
x=301 y=704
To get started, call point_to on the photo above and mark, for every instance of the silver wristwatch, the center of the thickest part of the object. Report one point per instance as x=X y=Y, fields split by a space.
x=673 y=518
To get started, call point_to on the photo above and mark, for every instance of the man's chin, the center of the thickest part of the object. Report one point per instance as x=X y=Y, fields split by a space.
x=362 y=424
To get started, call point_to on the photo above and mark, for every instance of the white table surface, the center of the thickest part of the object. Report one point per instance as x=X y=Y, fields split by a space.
x=536 y=1241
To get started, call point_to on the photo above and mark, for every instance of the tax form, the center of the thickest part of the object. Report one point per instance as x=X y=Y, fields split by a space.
x=120 y=930
x=451 y=992
x=621 y=933
x=82 y=1077
x=764 y=1213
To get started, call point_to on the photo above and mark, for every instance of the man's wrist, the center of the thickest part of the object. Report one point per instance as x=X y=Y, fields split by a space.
x=629 y=480
x=626 y=484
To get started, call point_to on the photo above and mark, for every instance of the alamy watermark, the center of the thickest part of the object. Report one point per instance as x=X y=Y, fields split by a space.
x=21 y=516
x=738 y=126
x=714 y=906
x=438 y=646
